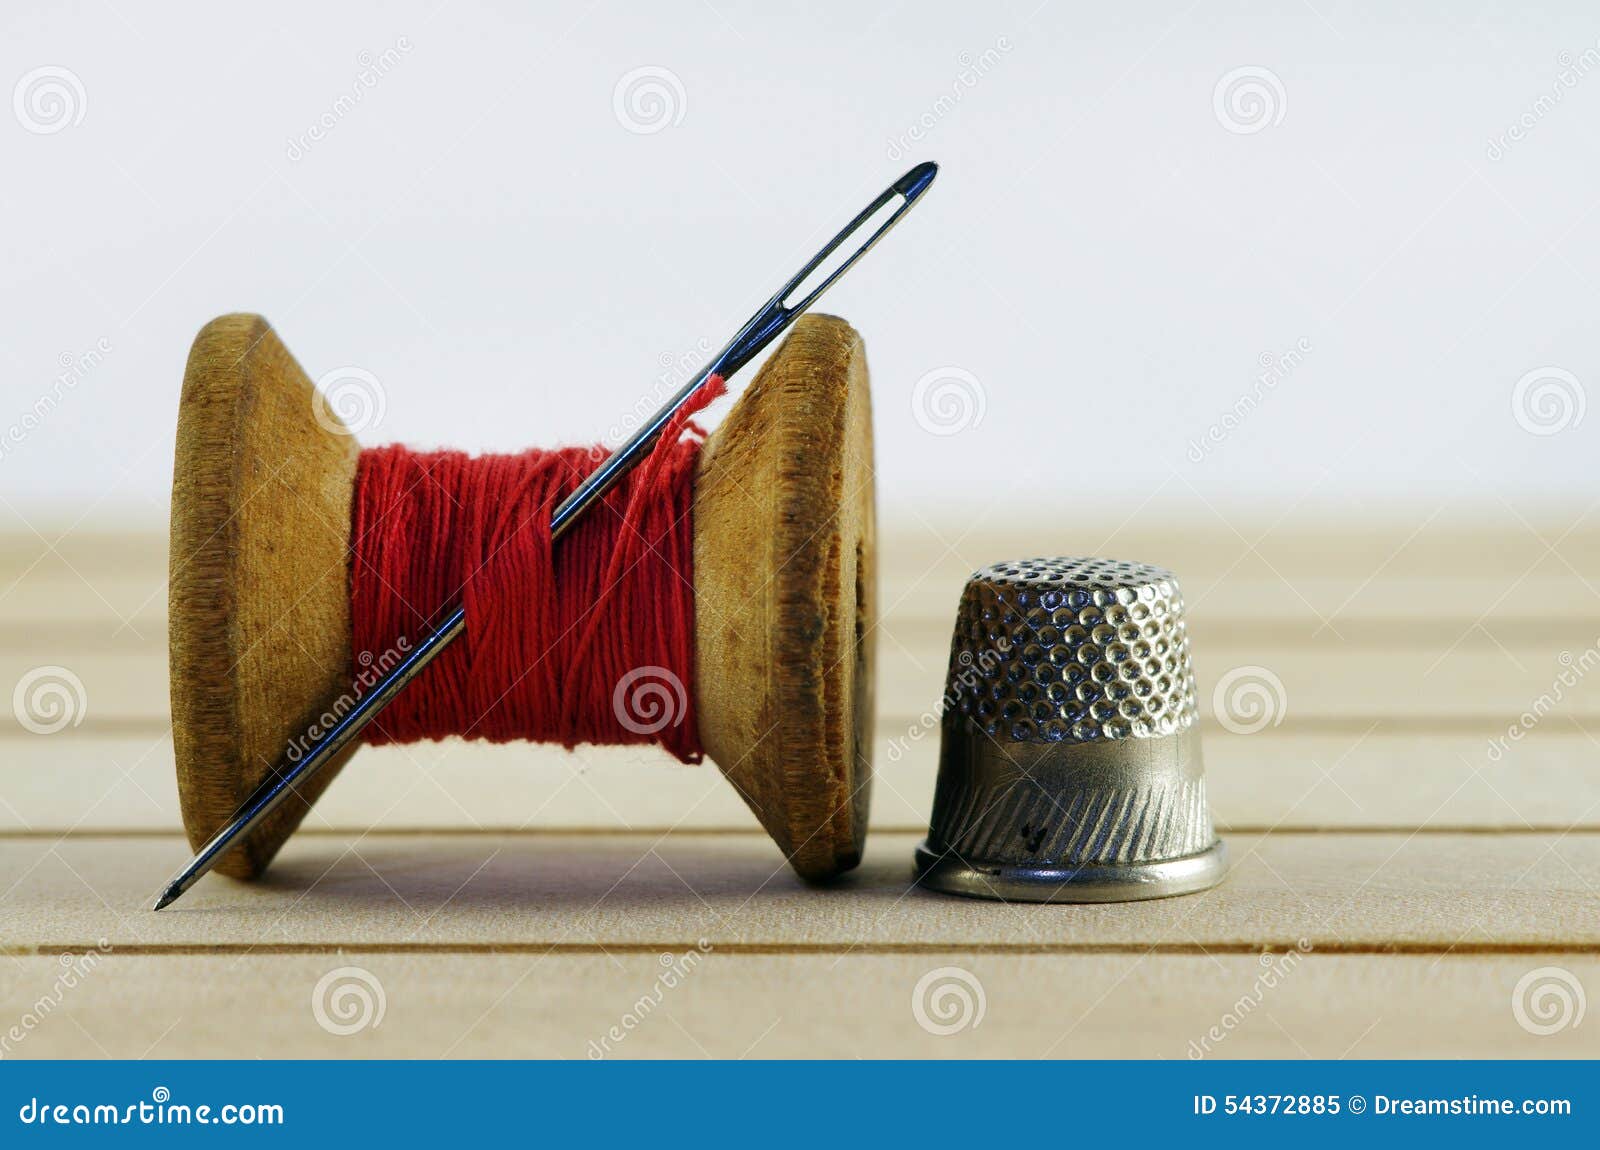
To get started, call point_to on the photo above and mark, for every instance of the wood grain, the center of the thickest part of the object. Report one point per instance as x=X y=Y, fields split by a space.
x=259 y=633
x=1275 y=778
x=785 y=596
x=1448 y=543
x=1324 y=683
x=1367 y=893
x=563 y=1005
x=1428 y=873
x=126 y=610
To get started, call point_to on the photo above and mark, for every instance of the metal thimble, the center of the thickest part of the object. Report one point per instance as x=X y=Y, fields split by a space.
x=1069 y=765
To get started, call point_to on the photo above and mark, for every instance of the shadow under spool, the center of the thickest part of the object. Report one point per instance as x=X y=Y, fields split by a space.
x=784 y=584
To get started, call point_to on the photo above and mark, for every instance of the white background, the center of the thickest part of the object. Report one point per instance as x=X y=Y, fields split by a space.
x=1105 y=253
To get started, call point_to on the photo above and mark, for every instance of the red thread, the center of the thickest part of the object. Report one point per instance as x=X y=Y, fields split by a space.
x=589 y=641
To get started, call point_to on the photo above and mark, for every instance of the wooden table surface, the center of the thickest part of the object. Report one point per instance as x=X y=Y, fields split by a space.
x=1401 y=883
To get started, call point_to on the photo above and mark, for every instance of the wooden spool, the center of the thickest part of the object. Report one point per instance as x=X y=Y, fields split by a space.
x=784 y=585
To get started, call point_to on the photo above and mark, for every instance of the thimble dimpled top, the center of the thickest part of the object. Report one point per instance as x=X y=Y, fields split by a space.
x=1070 y=766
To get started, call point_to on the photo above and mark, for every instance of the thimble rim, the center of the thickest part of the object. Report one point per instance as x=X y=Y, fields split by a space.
x=949 y=873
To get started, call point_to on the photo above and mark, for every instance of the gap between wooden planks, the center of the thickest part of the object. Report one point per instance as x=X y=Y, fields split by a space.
x=766 y=949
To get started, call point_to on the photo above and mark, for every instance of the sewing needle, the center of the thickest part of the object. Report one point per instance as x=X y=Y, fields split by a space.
x=760 y=330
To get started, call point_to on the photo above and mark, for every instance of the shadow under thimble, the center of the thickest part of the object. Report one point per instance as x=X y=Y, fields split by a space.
x=1069 y=764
